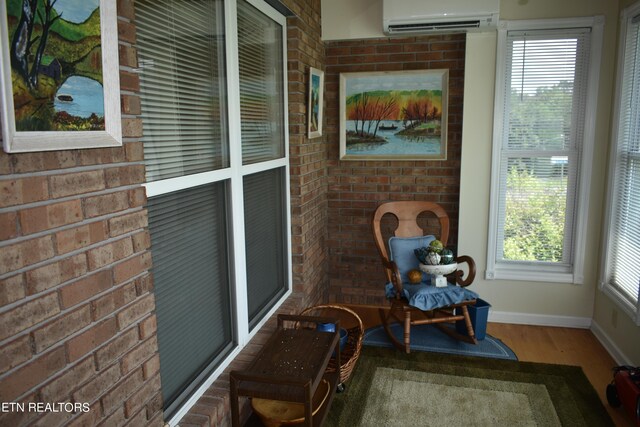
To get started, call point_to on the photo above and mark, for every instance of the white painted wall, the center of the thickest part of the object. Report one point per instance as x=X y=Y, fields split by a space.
x=351 y=19
x=517 y=301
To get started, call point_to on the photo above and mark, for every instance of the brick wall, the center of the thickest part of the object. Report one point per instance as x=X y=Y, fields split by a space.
x=355 y=188
x=308 y=157
x=76 y=301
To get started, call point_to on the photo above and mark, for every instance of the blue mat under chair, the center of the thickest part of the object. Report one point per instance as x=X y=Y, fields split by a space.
x=429 y=338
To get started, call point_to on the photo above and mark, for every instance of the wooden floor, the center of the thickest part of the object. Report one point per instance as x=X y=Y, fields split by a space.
x=564 y=346
x=543 y=344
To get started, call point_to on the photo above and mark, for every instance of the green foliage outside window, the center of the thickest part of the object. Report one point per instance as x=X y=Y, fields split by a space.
x=535 y=217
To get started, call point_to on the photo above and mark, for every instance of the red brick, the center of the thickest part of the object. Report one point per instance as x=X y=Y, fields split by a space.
x=116 y=348
x=17 y=418
x=97 y=386
x=137 y=197
x=134 y=150
x=126 y=31
x=151 y=367
x=76 y=183
x=21 y=191
x=61 y=328
x=80 y=237
x=109 y=253
x=39 y=161
x=32 y=374
x=53 y=274
x=122 y=391
x=101 y=156
x=11 y=289
x=132 y=128
x=127 y=223
x=14 y=353
x=148 y=327
x=129 y=82
x=5 y=163
x=136 y=311
x=106 y=204
x=127 y=56
x=91 y=339
x=126 y=9
x=136 y=357
x=8 y=226
x=136 y=419
x=87 y=419
x=138 y=400
x=154 y=408
x=60 y=389
x=131 y=267
x=141 y=241
x=131 y=105
x=27 y=315
x=116 y=418
x=22 y=254
x=85 y=288
x=50 y=216
x=109 y=303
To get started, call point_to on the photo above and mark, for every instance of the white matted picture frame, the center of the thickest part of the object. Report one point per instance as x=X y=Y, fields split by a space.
x=316 y=102
x=59 y=76
x=394 y=115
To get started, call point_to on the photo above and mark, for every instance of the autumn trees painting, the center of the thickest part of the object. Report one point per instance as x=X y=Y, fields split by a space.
x=394 y=114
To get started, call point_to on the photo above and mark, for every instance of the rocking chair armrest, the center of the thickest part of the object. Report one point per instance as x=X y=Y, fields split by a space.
x=471 y=275
x=394 y=274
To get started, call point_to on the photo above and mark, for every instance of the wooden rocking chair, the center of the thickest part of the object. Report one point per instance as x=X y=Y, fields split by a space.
x=420 y=304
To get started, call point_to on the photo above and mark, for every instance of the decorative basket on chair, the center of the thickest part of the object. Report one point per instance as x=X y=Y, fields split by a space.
x=350 y=321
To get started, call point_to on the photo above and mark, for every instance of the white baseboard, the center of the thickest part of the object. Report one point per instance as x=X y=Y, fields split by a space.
x=615 y=352
x=539 y=319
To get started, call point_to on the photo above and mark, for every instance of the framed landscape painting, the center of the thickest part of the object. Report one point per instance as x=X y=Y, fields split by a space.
x=316 y=95
x=394 y=115
x=59 y=75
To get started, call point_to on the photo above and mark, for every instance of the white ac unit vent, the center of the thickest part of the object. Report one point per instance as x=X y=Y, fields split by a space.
x=434 y=16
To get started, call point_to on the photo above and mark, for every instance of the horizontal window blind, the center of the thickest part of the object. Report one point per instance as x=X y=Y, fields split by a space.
x=182 y=82
x=265 y=222
x=625 y=234
x=191 y=278
x=261 y=90
x=545 y=90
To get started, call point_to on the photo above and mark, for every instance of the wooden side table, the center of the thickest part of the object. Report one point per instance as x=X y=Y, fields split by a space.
x=290 y=367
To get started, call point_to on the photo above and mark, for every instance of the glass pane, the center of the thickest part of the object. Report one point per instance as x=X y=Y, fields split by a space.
x=182 y=84
x=261 y=85
x=191 y=279
x=265 y=230
x=535 y=204
x=545 y=91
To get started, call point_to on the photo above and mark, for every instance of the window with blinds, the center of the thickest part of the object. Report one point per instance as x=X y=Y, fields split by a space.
x=539 y=140
x=191 y=283
x=261 y=95
x=266 y=235
x=182 y=86
x=622 y=250
x=216 y=156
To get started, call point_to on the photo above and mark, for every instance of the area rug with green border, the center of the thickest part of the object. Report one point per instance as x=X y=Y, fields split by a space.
x=391 y=388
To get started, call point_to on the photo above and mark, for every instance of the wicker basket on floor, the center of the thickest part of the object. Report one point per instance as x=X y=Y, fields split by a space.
x=350 y=321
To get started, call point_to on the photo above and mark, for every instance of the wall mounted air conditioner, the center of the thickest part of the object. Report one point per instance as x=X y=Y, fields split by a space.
x=432 y=16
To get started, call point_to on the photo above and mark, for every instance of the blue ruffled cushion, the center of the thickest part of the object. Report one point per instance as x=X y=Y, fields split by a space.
x=428 y=297
x=401 y=252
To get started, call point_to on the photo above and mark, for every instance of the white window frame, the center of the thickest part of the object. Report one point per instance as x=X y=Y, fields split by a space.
x=632 y=310
x=234 y=175
x=545 y=271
